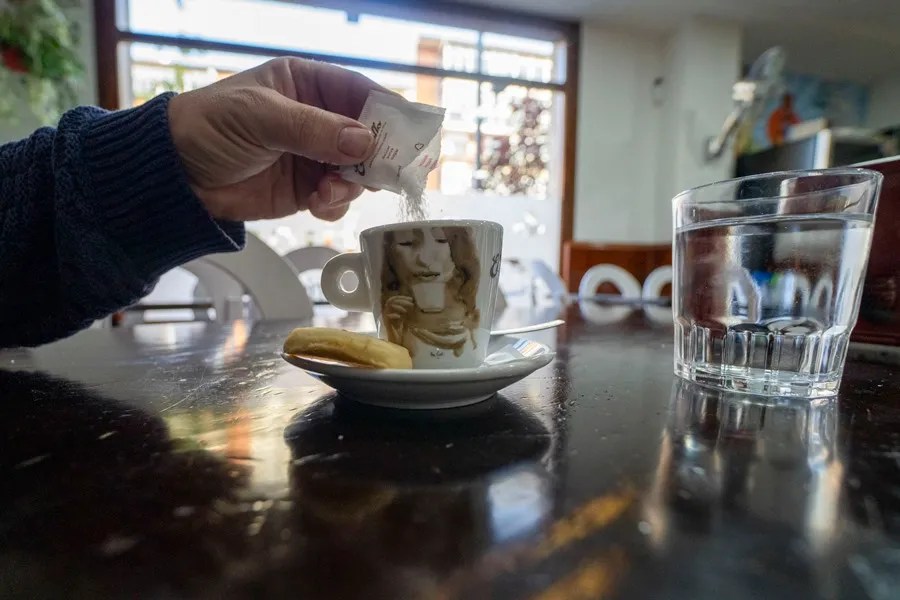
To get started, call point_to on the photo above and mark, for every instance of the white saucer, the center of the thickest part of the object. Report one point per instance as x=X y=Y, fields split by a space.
x=509 y=360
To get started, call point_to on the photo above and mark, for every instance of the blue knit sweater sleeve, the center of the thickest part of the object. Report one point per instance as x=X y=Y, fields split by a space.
x=91 y=214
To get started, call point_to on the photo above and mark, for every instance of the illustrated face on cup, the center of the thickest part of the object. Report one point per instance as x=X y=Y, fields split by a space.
x=432 y=286
x=421 y=255
x=422 y=260
x=429 y=286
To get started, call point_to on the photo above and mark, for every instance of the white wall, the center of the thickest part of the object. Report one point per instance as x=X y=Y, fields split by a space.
x=83 y=16
x=702 y=64
x=884 y=102
x=618 y=125
x=635 y=154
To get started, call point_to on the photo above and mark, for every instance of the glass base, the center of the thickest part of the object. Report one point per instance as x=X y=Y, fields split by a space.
x=762 y=382
x=756 y=360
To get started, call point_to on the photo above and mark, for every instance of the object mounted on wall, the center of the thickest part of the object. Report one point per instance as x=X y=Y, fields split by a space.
x=658 y=91
x=749 y=94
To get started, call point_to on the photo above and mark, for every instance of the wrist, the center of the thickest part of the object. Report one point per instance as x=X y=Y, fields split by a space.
x=187 y=138
x=141 y=195
x=182 y=140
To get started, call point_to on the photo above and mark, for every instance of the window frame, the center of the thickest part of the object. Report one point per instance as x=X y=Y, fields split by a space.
x=110 y=34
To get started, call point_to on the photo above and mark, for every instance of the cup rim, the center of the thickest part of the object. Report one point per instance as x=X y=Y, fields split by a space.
x=867 y=175
x=431 y=223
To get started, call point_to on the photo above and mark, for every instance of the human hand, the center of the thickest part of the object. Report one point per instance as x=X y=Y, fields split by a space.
x=257 y=145
x=397 y=307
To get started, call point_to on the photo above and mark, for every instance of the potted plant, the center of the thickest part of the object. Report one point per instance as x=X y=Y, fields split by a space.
x=38 y=59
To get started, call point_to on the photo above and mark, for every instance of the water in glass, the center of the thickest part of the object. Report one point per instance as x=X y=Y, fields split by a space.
x=766 y=303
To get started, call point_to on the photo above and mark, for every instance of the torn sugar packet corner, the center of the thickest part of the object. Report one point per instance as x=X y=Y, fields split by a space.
x=407 y=144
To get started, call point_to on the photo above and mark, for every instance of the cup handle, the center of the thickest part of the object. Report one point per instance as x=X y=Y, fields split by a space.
x=358 y=299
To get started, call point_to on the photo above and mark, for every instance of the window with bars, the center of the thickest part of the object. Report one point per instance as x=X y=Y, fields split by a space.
x=504 y=92
x=505 y=80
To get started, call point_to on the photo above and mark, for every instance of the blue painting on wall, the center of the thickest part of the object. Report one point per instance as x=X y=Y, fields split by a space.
x=804 y=97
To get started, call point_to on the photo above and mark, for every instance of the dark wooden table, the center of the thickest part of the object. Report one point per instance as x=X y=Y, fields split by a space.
x=169 y=461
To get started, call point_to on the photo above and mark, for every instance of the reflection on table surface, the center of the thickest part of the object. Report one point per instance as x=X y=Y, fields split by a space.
x=191 y=461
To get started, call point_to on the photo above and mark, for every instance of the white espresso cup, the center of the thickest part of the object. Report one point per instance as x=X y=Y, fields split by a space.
x=432 y=286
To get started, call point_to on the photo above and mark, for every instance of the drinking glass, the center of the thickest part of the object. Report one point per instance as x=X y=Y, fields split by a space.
x=768 y=274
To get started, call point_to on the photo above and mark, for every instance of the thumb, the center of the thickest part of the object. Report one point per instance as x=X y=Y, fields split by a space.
x=309 y=131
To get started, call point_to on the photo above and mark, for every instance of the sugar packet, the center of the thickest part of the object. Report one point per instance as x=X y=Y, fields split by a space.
x=407 y=147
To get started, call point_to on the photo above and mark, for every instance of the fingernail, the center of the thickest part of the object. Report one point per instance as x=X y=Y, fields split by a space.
x=337 y=194
x=354 y=141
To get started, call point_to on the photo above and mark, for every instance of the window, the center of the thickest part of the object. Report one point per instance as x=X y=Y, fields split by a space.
x=501 y=78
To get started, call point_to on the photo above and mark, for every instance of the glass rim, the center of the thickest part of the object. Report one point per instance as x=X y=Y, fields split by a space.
x=866 y=175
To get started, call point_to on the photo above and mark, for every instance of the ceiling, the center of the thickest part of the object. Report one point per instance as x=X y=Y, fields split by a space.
x=857 y=40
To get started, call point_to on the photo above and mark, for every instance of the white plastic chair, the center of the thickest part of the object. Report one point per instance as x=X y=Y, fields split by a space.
x=822 y=293
x=269 y=279
x=546 y=274
x=792 y=288
x=217 y=286
x=310 y=257
x=603 y=315
x=655 y=282
x=619 y=277
x=309 y=262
